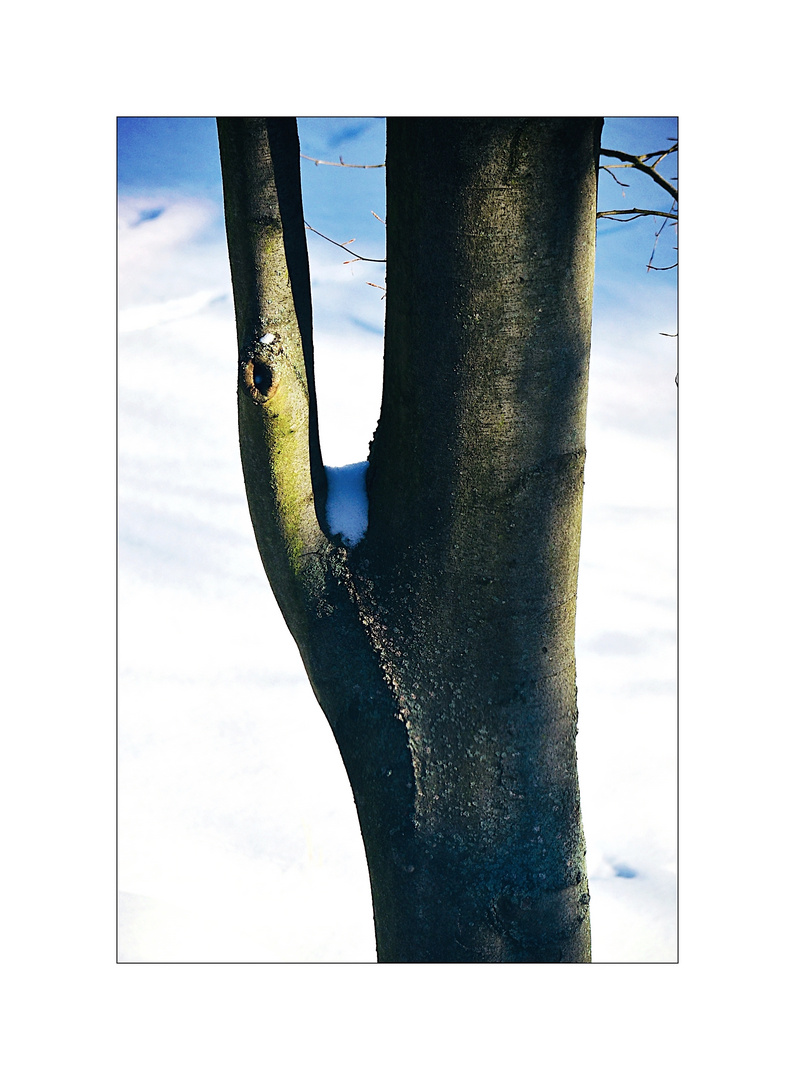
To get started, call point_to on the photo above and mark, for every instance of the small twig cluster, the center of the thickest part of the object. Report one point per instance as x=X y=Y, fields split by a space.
x=647 y=164
x=631 y=161
x=356 y=258
x=345 y=247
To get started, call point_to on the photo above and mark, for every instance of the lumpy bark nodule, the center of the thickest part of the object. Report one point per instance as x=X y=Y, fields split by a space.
x=442 y=646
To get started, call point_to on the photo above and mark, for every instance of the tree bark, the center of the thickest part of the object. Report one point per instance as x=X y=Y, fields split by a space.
x=441 y=647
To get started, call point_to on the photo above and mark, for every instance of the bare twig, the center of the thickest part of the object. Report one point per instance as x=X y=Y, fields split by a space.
x=609 y=170
x=343 y=164
x=357 y=258
x=658 y=233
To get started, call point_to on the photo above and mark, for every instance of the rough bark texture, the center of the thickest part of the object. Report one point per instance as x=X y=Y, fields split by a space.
x=441 y=648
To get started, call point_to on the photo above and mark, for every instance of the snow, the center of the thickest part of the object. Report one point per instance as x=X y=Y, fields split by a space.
x=346 y=505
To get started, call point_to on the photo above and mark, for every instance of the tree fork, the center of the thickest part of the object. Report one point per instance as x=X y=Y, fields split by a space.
x=441 y=648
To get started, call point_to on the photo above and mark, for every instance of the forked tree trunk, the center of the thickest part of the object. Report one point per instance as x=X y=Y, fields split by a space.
x=441 y=647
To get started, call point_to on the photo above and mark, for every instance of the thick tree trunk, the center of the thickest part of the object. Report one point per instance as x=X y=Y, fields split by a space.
x=441 y=648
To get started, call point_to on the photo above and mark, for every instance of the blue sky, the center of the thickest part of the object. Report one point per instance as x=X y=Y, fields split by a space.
x=172 y=153
x=211 y=817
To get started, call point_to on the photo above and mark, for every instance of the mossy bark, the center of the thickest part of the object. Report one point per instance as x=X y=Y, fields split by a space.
x=441 y=648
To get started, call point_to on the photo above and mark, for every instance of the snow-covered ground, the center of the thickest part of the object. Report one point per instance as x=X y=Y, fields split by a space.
x=238 y=839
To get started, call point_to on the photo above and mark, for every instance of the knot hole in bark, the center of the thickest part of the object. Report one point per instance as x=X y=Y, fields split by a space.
x=260 y=367
x=260 y=378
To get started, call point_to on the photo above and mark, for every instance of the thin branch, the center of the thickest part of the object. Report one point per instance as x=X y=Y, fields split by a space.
x=343 y=164
x=638 y=213
x=639 y=163
x=609 y=170
x=657 y=235
x=357 y=258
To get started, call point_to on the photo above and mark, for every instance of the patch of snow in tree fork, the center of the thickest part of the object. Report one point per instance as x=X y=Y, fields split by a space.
x=346 y=504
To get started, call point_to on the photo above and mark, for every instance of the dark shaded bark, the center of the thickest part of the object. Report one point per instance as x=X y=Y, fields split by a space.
x=441 y=648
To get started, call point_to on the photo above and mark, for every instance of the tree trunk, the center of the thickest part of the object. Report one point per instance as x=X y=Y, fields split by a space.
x=441 y=647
